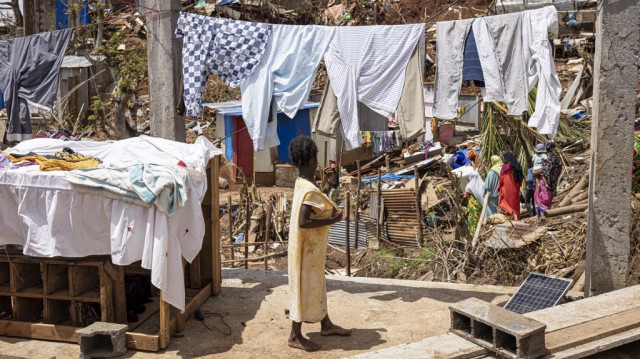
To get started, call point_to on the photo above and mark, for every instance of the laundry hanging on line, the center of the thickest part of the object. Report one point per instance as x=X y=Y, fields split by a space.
x=410 y=112
x=29 y=69
x=515 y=55
x=228 y=48
x=360 y=69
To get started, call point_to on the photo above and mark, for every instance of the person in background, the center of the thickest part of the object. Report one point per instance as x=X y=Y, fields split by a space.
x=552 y=168
x=312 y=213
x=542 y=196
x=531 y=186
x=539 y=159
x=491 y=185
x=509 y=186
x=474 y=192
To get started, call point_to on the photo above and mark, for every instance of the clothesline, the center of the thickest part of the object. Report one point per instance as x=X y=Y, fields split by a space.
x=158 y=11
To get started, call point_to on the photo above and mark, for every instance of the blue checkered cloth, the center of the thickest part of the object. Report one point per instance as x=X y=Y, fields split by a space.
x=228 y=48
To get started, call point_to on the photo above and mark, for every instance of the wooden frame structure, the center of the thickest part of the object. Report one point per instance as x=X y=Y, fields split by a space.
x=21 y=283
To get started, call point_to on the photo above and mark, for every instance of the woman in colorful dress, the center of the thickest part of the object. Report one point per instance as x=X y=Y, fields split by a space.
x=511 y=177
x=491 y=186
x=312 y=213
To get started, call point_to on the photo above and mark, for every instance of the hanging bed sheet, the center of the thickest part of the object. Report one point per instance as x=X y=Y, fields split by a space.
x=50 y=216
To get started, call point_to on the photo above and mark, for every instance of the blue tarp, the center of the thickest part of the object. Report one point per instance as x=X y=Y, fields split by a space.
x=62 y=14
x=389 y=177
x=1 y=101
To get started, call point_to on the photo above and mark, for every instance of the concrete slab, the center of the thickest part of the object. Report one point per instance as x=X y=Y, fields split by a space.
x=383 y=312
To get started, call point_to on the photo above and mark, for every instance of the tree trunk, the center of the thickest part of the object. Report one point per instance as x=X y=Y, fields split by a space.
x=18 y=14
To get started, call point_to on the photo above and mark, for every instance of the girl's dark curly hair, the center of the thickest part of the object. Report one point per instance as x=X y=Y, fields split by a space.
x=302 y=150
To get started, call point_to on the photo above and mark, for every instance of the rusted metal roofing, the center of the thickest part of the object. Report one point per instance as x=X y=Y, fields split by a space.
x=402 y=212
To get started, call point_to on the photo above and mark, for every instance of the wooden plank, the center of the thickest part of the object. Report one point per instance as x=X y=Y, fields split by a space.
x=570 y=314
x=591 y=331
x=60 y=333
x=138 y=341
x=165 y=333
x=106 y=297
x=215 y=227
x=198 y=300
x=120 y=296
x=598 y=346
x=194 y=273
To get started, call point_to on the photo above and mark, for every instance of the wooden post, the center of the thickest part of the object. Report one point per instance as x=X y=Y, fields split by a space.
x=614 y=100
x=246 y=233
x=216 y=262
x=233 y=249
x=266 y=235
x=387 y=164
x=165 y=324
x=379 y=205
x=357 y=214
x=120 y=297
x=346 y=231
x=418 y=209
x=324 y=162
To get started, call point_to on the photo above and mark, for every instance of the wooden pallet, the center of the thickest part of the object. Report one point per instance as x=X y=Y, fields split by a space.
x=60 y=291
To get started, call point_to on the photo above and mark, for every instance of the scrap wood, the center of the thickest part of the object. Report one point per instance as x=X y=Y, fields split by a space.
x=515 y=234
x=476 y=236
x=579 y=207
x=583 y=183
x=581 y=197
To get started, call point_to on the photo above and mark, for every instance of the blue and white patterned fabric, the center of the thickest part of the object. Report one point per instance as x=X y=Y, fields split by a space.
x=228 y=48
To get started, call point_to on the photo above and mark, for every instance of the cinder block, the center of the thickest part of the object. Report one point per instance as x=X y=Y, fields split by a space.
x=102 y=340
x=506 y=333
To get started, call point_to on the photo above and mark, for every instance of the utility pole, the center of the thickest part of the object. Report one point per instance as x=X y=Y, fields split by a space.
x=164 y=54
x=615 y=88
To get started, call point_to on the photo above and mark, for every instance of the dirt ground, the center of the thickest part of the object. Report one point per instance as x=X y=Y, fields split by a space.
x=382 y=312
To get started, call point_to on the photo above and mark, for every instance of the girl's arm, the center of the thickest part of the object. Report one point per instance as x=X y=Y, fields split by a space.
x=306 y=222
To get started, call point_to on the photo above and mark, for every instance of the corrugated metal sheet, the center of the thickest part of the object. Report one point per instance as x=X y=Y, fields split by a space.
x=337 y=234
x=373 y=205
x=401 y=209
x=72 y=100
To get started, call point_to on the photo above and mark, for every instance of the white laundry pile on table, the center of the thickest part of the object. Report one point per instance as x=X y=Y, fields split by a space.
x=50 y=216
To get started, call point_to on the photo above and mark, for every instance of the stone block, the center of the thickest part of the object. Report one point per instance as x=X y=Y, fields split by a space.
x=102 y=340
x=506 y=333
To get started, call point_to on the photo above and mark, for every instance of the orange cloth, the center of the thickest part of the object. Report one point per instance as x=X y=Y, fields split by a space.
x=509 y=200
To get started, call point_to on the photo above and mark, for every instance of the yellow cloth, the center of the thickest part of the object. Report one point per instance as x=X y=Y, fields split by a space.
x=57 y=165
x=496 y=164
x=307 y=254
x=366 y=136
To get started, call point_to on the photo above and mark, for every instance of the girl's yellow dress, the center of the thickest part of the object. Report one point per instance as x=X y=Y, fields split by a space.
x=307 y=254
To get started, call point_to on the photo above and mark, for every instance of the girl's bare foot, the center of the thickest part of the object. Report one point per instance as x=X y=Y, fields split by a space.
x=300 y=342
x=332 y=329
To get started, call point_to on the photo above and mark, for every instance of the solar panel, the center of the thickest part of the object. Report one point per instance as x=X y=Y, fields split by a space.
x=538 y=291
